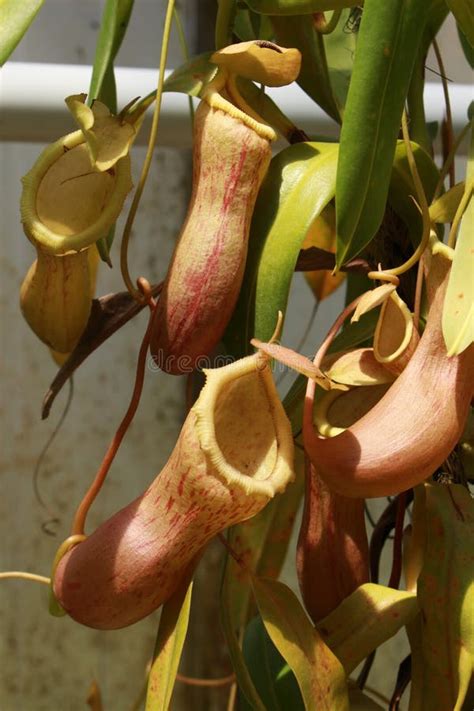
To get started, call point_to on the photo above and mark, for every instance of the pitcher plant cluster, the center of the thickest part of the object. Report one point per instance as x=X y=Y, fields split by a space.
x=383 y=410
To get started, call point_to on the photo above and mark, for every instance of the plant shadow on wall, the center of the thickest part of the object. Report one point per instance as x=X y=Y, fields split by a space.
x=385 y=407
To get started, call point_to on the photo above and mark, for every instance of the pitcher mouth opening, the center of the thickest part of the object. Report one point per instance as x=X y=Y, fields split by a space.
x=243 y=429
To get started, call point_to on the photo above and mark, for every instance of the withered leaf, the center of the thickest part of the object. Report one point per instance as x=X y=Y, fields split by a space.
x=108 y=314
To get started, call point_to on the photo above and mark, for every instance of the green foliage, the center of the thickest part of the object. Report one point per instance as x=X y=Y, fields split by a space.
x=15 y=18
x=169 y=645
x=446 y=598
x=387 y=45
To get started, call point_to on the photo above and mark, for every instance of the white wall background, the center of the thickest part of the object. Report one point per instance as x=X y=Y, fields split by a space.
x=47 y=664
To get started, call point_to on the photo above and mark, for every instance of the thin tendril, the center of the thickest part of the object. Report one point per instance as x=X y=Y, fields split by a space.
x=449 y=116
x=232 y=697
x=449 y=160
x=396 y=571
x=20 y=574
x=325 y=28
x=95 y=487
x=318 y=359
x=196 y=681
x=37 y=470
x=418 y=293
x=424 y=208
x=149 y=155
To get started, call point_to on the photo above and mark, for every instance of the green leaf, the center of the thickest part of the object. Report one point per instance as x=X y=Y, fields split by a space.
x=272 y=676
x=340 y=48
x=436 y=13
x=466 y=48
x=297 y=7
x=446 y=598
x=169 y=645
x=387 y=46
x=464 y=13
x=444 y=208
x=458 y=309
x=402 y=189
x=262 y=542
x=192 y=76
x=364 y=620
x=313 y=78
x=102 y=86
x=273 y=215
x=230 y=627
x=302 y=175
x=318 y=672
x=15 y=18
x=112 y=31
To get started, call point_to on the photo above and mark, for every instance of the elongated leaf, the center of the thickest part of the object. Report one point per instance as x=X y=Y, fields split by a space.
x=364 y=620
x=102 y=86
x=94 y=698
x=371 y=299
x=169 y=645
x=458 y=310
x=313 y=78
x=463 y=11
x=340 y=49
x=297 y=7
x=272 y=676
x=112 y=31
x=446 y=598
x=387 y=45
x=318 y=672
x=436 y=12
x=15 y=18
x=402 y=189
x=230 y=629
x=466 y=48
x=262 y=543
x=444 y=208
x=304 y=175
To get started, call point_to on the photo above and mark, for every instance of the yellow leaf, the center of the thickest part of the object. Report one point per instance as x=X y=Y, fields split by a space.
x=446 y=598
x=357 y=367
x=109 y=138
x=458 y=311
x=371 y=299
x=444 y=208
x=364 y=620
x=318 y=672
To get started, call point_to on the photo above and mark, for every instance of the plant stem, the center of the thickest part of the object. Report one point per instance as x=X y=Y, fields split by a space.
x=20 y=574
x=95 y=487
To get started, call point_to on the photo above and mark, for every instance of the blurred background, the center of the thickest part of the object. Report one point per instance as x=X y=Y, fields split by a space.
x=48 y=664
